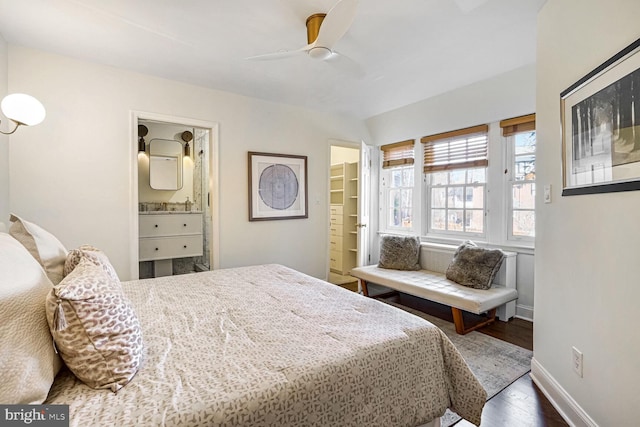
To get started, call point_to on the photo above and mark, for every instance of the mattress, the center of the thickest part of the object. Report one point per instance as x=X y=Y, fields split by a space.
x=269 y=346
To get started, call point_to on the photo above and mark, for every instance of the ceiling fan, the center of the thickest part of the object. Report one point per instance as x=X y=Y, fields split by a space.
x=323 y=32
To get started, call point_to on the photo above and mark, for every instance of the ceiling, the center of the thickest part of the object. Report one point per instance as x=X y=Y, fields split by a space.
x=395 y=53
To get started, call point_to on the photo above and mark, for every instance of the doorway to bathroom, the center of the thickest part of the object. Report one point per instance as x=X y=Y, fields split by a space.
x=175 y=224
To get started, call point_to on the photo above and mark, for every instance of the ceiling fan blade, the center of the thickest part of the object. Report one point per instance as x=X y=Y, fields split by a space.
x=336 y=23
x=345 y=65
x=280 y=54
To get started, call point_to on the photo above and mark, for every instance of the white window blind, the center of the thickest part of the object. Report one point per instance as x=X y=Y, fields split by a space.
x=459 y=149
x=397 y=154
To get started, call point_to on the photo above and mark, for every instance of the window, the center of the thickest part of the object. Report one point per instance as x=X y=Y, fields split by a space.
x=462 y=195
x=400 y=198
x=397 y=183
x=521 y=154
x=456 y=201
x=523 y=185
x=455 y=167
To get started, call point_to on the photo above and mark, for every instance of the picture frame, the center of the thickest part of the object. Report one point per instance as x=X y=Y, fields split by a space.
x=600 y=116
x=277 y=186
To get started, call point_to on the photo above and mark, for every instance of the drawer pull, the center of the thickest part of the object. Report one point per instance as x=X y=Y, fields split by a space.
x=156 y=225
x=184 y=225
x=185 y=246
x=157 y=249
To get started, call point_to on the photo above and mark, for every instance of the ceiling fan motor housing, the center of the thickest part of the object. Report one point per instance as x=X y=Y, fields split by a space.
x=320 y=53
x=313 y=26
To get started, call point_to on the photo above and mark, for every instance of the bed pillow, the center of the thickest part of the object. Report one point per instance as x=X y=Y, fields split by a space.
x=93 y=254
x=95 y=327
x=400 y=252
x=44 y=246
x=28 y=362
x=473 y=266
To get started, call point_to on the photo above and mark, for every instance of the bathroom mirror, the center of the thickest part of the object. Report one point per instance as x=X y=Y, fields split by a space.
x=165 y=164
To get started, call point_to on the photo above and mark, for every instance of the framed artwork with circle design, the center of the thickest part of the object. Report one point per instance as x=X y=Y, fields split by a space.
x=277 y=186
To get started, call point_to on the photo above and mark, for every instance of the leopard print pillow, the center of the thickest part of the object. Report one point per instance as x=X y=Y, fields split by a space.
x=94 y=327
x=94 y=255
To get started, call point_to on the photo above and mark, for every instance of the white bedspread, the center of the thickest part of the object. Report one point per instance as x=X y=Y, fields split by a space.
x=269 y=346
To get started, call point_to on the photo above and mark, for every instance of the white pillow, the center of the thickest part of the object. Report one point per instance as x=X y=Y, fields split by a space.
x=44 y=246
x=28 y=361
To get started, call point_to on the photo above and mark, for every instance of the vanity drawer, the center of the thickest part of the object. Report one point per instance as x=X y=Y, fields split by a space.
x=170 y=225
x=153 y=248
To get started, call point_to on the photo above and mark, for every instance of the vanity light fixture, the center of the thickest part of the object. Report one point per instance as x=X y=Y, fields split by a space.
x=23 y=110
x=186 y=137
x=142 y=132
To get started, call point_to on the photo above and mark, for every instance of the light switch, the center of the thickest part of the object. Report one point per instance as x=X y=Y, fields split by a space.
x=547 y=193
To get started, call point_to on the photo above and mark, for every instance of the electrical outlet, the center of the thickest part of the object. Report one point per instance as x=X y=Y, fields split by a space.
x=577 y=361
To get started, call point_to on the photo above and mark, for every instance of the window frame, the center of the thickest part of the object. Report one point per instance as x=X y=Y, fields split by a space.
x=511 y=182
x=427 y=205
x=385 y=179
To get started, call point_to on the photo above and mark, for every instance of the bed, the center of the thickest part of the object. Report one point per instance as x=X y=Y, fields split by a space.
x=267 y=345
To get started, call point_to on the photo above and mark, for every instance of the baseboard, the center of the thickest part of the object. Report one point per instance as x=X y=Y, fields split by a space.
x=524 y=312
x=566 y=406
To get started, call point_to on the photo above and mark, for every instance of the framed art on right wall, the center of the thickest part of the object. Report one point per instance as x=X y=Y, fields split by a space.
x=601 y=127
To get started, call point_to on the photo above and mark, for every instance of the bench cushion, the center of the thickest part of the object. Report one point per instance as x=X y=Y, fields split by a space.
x=436 y=287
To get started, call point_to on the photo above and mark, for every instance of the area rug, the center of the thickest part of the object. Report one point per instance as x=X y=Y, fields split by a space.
x=495 y=363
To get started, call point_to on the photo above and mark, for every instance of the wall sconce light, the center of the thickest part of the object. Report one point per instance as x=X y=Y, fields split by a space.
x=186 y=137
x=23 y=110
x=142 y=132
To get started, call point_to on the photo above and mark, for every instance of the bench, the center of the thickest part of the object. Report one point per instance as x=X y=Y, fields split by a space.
x=430 y=283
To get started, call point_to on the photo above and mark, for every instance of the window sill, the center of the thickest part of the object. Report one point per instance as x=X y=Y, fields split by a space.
x=398 y=232
x=519 y=247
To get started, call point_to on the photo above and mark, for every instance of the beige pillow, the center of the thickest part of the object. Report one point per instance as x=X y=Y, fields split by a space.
x=45 y=248
x=28 y=362
x=95 y=328
x=94 y=255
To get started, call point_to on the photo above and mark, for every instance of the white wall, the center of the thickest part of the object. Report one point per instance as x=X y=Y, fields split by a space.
x=489 y=101
x=71 y=174
x=586 y=268
x=506 y=95
x=4 y=141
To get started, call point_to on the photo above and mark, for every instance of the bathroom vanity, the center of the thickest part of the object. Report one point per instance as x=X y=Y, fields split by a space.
x=165 y=235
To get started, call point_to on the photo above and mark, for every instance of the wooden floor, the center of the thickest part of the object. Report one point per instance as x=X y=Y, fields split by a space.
x=521 y=404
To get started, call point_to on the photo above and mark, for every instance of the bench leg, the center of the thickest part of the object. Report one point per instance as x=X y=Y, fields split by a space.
x=459 y=321
x=365 y=290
